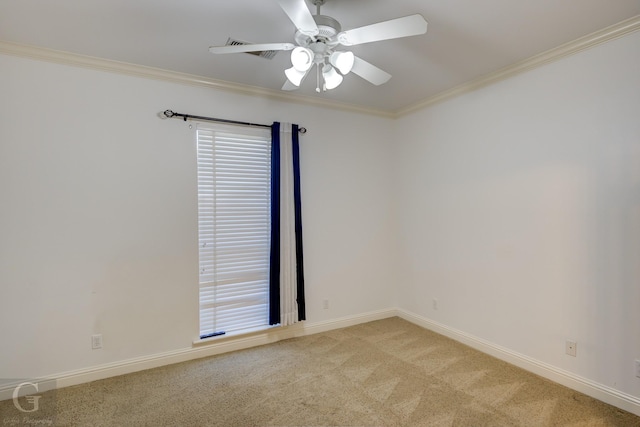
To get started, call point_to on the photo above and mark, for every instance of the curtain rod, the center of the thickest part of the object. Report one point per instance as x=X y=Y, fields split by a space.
x=170 y=114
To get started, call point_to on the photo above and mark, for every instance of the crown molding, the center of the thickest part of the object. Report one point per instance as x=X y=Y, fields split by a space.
x=83 y=61
x=602 y=36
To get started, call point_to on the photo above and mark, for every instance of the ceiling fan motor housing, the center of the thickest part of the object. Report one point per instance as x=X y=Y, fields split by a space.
x=327 y=26
x=328 y=29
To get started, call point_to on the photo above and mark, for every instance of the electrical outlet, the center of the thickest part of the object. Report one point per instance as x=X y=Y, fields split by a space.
x=638 y=368
x=434 y=304
x=325 y=304
x=572 y=348
x=96 y=341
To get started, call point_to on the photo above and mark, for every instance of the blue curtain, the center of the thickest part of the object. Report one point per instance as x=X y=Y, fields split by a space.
x=286 y=275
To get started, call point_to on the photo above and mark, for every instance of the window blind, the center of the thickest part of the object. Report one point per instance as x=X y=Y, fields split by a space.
x=234 y=180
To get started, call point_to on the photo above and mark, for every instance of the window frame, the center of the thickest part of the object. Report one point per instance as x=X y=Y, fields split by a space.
x=233 y=301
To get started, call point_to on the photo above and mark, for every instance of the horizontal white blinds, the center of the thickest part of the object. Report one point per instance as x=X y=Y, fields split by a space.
x=234 y=184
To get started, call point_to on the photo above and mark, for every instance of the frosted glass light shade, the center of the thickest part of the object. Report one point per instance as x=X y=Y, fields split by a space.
x=301 y=58
x=331 y=78
x=343 y=61
x=295 y=76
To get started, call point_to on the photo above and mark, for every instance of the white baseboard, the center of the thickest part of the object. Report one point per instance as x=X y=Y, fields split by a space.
x=205 y=349
x=223 y=345
x=590 y=388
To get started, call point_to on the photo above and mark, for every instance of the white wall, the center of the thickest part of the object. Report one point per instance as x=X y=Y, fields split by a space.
x=98 y=216
x=519 y=209
x=517 y=206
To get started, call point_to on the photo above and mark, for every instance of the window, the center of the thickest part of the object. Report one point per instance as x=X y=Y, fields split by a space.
x=234 y=181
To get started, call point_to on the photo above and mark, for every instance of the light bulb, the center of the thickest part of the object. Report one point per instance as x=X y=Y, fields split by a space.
x=295 y=76
x=343 y=61
x=331 y=78
x=301 y=58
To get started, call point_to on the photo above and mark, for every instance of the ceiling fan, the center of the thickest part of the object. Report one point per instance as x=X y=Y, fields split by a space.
x=318 y=38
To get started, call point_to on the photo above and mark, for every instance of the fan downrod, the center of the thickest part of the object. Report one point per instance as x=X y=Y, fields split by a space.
x=318 y=3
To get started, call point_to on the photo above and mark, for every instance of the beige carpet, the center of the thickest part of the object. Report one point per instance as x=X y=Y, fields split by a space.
x=384 y=373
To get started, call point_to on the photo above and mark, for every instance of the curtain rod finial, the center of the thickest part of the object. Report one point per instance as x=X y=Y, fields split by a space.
x=169 y=113
x=302 y=130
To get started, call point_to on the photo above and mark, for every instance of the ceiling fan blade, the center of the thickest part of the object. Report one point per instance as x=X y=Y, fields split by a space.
x=370 y=72
x=411 y=25
x=300 y=15
x=239 y=48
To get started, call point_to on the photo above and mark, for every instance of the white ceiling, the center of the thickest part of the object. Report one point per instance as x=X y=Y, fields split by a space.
x=466 y=39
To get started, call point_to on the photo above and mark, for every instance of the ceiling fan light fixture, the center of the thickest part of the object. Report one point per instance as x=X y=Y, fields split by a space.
x=331 y=78
x=302 y=58
x=294 y=76
x=343 y=61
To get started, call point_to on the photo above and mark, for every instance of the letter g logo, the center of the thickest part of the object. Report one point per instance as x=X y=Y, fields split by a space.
x=31 y=399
